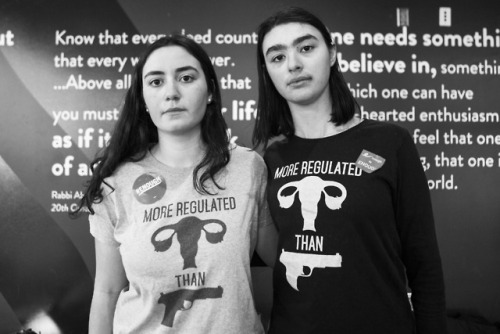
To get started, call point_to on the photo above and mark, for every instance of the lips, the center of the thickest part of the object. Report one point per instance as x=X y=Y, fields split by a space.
x=298 y=80
x=173 y=110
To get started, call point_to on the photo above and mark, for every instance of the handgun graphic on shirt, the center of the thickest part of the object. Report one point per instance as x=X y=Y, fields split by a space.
x=295 y=263
x=174 y=301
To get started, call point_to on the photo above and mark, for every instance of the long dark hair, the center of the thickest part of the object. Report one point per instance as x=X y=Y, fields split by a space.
x=134 y=132
x=273 y=113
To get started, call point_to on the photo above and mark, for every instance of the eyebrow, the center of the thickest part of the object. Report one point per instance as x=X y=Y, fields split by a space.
x=177 y=70
x=298 y=40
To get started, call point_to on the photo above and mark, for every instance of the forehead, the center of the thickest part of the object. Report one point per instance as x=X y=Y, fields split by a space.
x=286 y=34
x=170 y=58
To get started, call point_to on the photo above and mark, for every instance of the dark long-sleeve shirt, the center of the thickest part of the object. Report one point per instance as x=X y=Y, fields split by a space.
x=356 y=230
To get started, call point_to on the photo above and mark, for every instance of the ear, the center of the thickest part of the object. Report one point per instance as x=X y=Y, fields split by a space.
x=211 y=90
x=333 y=55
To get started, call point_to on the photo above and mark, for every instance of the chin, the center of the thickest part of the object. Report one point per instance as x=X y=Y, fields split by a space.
x=182 y=130
x=303 y=100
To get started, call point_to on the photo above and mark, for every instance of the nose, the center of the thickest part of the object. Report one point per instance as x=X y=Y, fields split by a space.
x=171 y=91
x=294 y=63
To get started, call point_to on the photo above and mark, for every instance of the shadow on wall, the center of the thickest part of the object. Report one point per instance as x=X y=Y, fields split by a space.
x=469 y=324
x=43 y=279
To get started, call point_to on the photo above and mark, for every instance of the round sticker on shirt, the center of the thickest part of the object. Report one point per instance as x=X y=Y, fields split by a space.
x=149 y=188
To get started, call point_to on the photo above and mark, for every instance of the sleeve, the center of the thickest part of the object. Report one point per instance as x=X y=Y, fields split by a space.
x=103 y=221
x=420 y=250
x=264 y=217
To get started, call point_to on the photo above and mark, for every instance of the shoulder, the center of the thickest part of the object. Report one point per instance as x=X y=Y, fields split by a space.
x=129 y=168
x=384 y=132
x=383 y=127
x=240 y=152
x=391 y=141
x=246 y=157
x=277 y=145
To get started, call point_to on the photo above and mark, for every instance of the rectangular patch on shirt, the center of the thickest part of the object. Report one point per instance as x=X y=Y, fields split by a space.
x=369 y=162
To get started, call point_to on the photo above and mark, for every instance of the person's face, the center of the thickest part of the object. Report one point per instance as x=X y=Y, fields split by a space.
x=298 y=62
x=175 y=90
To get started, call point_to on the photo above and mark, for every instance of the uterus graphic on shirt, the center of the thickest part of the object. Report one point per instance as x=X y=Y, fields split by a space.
x=307 y=193
x=188 y=231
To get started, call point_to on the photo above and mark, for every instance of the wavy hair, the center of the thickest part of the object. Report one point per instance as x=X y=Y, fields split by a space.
x=273 y=113
x=135 y=133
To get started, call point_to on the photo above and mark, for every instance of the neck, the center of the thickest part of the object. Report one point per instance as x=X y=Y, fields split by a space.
x=313 y=121
x=179 y=152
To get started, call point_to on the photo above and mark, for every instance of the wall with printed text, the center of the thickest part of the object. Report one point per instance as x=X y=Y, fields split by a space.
x=432 y=67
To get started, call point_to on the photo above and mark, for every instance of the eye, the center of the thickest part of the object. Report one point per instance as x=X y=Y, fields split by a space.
x=186 y=78
x=307 y=48
x=155 y=82
x=277 y=58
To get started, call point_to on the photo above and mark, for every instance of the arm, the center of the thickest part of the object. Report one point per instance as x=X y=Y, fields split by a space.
x=419 y=242
x=267 y=235
x=267 y=241
x=109 y=281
